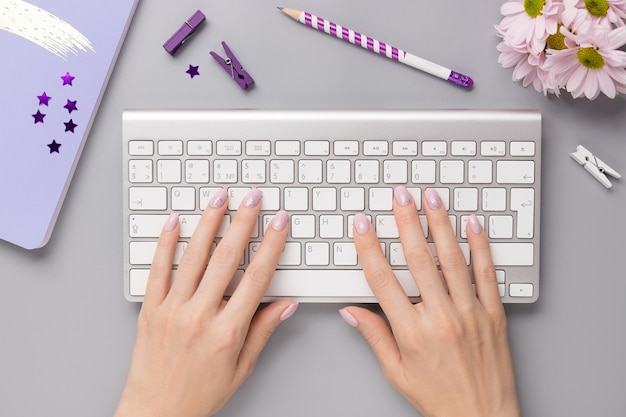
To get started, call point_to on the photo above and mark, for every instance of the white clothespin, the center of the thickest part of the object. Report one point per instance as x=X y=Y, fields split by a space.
x=594 y=165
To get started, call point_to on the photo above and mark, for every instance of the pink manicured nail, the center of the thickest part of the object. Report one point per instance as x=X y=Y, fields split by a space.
x=280 y=220
x=219 y=198
x=361 y=224
x=433 y=199
x=172 y=222
x=349 y=318
x=253 y=198
x=402 y=195
x=475 y=225
x=289 y=311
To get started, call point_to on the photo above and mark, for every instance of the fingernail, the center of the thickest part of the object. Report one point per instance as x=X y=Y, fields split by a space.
x=402 y=195
x=475 y=225
x=361 y=224
x=171 y=222
x=280 y=221
x=349 y=318
x=253 y=198
x=219 y=198
x=289 y=311
x=433 y=199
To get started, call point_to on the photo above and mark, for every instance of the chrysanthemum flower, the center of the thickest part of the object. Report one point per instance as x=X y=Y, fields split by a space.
x=527 y=68
x=581 y=15
x=594 y=65
x=529 y=22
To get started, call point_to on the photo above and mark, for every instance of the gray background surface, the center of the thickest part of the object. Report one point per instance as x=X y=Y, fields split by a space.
x=66 y=331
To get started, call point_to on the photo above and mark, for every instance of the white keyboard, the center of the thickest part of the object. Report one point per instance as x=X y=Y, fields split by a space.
x=325 y=166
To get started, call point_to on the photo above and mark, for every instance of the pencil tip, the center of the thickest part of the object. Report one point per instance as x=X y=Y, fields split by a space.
x=279 y=8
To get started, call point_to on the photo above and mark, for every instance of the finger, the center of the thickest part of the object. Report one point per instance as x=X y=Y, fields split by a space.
x=253 y=285
x=227 y=256
x=196 y=255
x=378 y=273
x=261 y=329
x=378 y=335
x=161 y=271
x=418 y=255
x=451 y=259
x=482 y=264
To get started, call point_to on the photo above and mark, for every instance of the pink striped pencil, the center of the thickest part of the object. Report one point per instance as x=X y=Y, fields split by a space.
x=381 y=48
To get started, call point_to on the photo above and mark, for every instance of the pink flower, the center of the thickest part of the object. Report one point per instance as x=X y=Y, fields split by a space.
x=529 y=22
x=527 y=68
x=594 y=65
x=580 y=15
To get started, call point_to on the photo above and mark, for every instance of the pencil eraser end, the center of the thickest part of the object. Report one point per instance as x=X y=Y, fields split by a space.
x=460 y=79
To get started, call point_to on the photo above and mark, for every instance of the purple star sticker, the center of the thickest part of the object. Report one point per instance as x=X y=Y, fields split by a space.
x=54 y=146
x=67 y=79
x=70 y=126
x=44 y=99
x=39 y=117
x=71 y=106
x=193 y=70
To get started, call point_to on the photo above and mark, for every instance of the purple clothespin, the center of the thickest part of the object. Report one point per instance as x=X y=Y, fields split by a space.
x=232 y=66
x=184 y=32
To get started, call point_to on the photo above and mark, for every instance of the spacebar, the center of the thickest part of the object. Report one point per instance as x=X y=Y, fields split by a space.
x=327 y=283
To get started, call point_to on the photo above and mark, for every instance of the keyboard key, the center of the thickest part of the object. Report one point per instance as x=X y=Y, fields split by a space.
x=253 y=171
x=344 y=254
x=142 y=253
x=352 y=199
x=331 y=226
x=405 y=148
x=183 y=198
x=366 y=172
x=512 y=254
x=451 y=172
x=169 y=171
x=228 y=148
x=500 y=227
x=147 y=198
x=197 y=171
x=395 y=172
x=281 y=171
x=287 y=147
x=271 y=198
x=316 y=148
x=258 y=148
x=302 y=226
x=146 y=225
x=515 y=172
x=346 y=147
x=310 y=171
x=423 y=172
x=522 y=148
x=494 y=199
x=317 y=253
x=338 y=172
x=381 y=199
x=324 y=199
x=140 y=147
x=375 y=148
x=386 y=226
x=296 y=198
x=199 y=147
x=521 y=290
x=523 y=202
x=140 y=171
x=291 y=255
x=463 y=148
x=480 y=172
x=434 y=148
x=466 y=199
x=497 y=148
x=170 y=147
x=225 y=171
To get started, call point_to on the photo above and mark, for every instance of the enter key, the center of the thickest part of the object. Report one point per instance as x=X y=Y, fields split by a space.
x=523 y=202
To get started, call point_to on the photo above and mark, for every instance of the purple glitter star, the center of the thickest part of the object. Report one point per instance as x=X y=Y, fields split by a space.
x=39 y=117
x=54 y=146
x=71 y=106
x=44 y=99
x=69 y=126
x=193 y=70
x=67 y=79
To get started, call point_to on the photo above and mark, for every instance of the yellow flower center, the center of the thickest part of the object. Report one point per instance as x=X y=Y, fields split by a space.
x=533 y=7
x=590 y=58
x=556 y=40
x=597 y=7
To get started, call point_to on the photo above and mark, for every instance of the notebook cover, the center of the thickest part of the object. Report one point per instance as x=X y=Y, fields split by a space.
x=57 y=57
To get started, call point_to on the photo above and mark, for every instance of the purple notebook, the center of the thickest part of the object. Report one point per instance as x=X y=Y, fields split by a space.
x=57 y=57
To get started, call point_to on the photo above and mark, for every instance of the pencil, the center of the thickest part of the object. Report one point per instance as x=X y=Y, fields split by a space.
x=380 y=48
